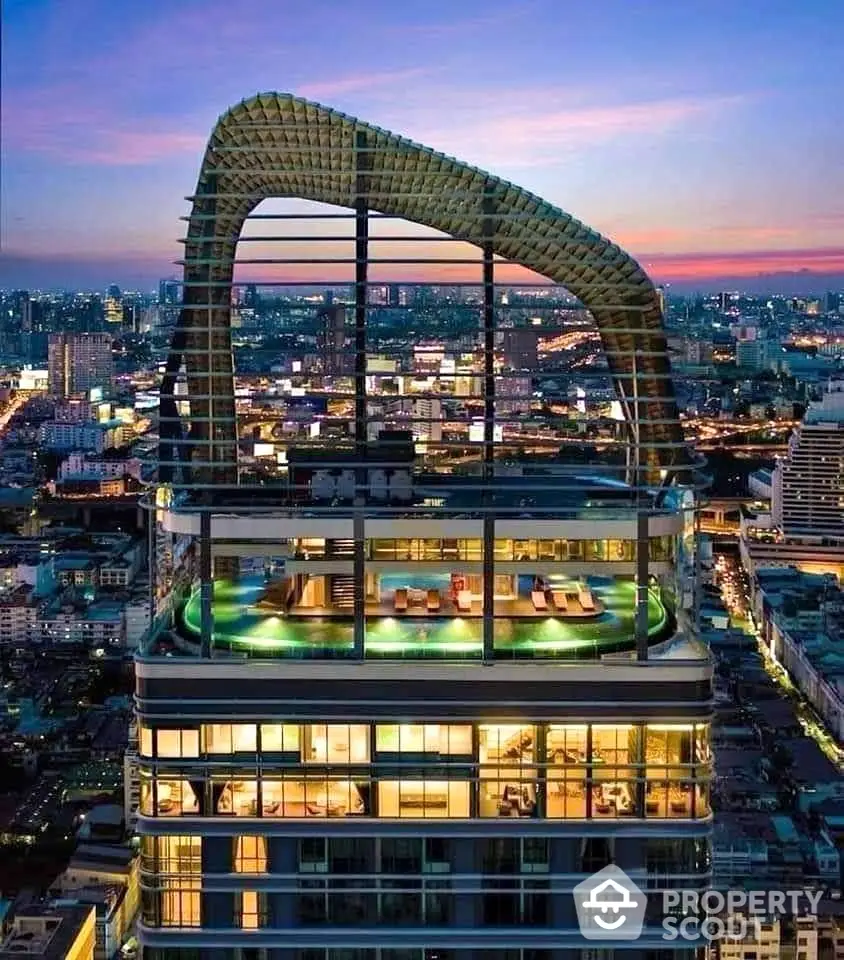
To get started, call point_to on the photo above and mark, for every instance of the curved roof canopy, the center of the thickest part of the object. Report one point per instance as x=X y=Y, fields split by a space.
x=277 y=145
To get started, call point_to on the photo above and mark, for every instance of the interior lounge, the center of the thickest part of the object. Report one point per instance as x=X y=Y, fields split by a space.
x=416 y=593
x=555 y=771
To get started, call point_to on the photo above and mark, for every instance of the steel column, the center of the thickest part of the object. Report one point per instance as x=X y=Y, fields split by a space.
x=363 y=164
x=488 y=227
x=206 y=584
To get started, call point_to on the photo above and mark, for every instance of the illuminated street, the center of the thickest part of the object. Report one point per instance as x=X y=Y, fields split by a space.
x=731 y=580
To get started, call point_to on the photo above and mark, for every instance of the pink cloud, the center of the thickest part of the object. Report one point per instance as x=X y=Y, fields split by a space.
x=356 y=82
x=61 y=122
x=747 y=263
x=524 y=128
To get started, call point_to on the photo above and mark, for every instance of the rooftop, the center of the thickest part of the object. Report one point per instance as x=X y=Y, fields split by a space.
x=247 y=622
x=48 y=931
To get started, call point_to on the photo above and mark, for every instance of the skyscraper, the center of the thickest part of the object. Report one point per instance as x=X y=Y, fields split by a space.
x=470 y=682
x=79 y=362
x=332 y=342
x=808 y=484
x=169 y=292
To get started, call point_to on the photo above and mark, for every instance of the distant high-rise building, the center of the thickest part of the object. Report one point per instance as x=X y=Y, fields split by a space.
x=832 y=302
x=520 y=348
x=169 y=292
x=113 y=310
x=251 y=297
x=663 y=300
x=808 y=485
x=79 y=362
x=725 y=301
x=331 y=340
x=698 y=352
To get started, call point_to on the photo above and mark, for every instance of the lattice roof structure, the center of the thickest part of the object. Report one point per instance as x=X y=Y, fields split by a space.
x=280 y=146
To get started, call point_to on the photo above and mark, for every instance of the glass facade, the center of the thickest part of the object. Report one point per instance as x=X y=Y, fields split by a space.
x=430 y=770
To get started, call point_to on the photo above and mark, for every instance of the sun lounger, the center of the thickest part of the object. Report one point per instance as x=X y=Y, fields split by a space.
x=586 y=600
x=400 y=600
x=539 y=601
x=560 y=599
x=433 y=601
x=464 y=601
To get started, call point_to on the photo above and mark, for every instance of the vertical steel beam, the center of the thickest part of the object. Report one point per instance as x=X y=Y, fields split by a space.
x=363 y=164
x=488 y=546
x=642 y=525
x=206 y=584
x=152 y=553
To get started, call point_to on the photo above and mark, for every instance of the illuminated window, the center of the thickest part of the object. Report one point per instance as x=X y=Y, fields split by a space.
x=440 y=738
x=227 y=738
x=280 y=738
x=507 y=743
x=336 y=743
x=250 y=854
x=145 y=741
x=252 y=910
x=566 y=750
x=177 y=743
x=428 y=799
x=147 y=804
x=179 y=865
x=238 y=798
x=175 y=798
x=313 y=797
x=614 y=774
x=668 y=759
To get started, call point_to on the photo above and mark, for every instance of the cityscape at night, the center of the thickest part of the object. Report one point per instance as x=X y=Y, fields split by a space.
x=421 y=481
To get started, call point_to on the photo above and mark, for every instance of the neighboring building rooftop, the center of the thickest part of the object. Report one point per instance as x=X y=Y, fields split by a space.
x=51 y=932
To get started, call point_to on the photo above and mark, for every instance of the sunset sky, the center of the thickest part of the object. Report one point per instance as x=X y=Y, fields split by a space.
x=705 y=136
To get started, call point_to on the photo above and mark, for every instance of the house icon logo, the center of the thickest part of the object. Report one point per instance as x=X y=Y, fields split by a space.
x=610 y=906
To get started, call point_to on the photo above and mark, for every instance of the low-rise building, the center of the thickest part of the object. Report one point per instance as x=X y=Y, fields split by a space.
x=51 y=932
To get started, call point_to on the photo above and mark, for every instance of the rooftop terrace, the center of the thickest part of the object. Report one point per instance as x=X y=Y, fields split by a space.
x=243 y=626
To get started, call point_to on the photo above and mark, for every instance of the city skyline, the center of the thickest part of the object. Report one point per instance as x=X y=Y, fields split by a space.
x=685 y=138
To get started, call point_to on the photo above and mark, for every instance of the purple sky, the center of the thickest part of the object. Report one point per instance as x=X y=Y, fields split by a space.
x=706 y=136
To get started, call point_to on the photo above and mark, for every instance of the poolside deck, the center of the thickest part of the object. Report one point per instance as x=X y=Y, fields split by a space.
x=416 y=608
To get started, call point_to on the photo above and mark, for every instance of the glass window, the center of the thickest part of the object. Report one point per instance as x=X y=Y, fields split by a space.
x=177 y=743
x=668 y=744
x=507 y=743
x=336 y=743
x=175 y=798
x=146 y=804
x=313 y=855
x=251 y=912
x=614 y=775
x=250 y=854
x=503 y=549
x=668 y=758
x=703 y=751
x=238 y=798
x=428 y=799
x=314 y=797
x=145 y=741
x=566 y=745
x=504 y=795
x=566 y=750
x=226 y=738
x=181 y=857
x=440 y=738
x=280 y=738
